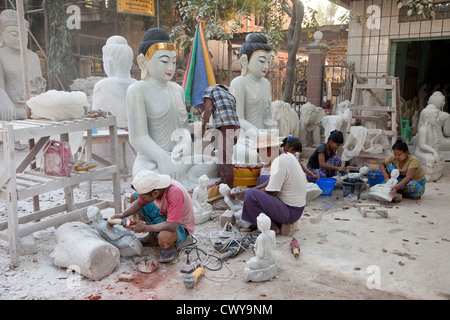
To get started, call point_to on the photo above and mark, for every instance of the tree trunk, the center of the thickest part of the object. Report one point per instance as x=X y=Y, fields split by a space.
x=293 y=37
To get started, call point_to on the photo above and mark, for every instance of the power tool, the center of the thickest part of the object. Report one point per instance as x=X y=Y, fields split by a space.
x=232 y=248
x=191 y=267
x=295 y=248
x=124 y=222
x=190 y=280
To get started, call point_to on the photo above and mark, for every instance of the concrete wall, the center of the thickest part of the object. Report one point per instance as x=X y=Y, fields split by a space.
x=370 y=48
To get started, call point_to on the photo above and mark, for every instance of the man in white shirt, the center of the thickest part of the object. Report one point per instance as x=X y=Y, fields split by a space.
x=284 y=198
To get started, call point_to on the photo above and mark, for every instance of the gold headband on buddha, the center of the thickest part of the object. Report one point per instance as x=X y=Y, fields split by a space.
x=158 y=46
x=265 y=51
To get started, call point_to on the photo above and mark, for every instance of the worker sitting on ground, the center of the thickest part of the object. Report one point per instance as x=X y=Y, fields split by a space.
x=167 y=208
x=324 y=161
x=284 y=197
x=412 y=177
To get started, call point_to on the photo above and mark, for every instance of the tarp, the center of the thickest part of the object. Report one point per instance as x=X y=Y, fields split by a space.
x=199 y=72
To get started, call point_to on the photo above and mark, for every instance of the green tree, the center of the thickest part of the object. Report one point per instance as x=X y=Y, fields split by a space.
x=61 y=62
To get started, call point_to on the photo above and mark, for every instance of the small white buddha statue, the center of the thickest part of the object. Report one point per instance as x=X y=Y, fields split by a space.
x=157 y=116
x=110 y=93
x=12 y=97
x=202 y=209
x=263 y=266
x=382 y=191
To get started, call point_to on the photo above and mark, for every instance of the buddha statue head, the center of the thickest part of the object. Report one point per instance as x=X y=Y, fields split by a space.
x=255 y=55
x=117 y=57
x=430 y=114
x=263 y=222
x=9 y=30
x=157 y=56
x=437 y=99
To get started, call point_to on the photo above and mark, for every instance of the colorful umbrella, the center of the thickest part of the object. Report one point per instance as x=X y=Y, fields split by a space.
x=199 y=73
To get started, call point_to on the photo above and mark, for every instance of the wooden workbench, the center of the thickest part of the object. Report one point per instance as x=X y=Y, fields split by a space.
x=20 y=182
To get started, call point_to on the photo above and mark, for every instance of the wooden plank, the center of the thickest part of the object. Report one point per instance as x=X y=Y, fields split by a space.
x=11 y=195
x=366 y=86
x=377 y=108
x=76 y=215
x=64 y=126
x=63 y=182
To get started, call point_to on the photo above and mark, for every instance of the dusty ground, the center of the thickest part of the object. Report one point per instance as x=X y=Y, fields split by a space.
x=343 y=256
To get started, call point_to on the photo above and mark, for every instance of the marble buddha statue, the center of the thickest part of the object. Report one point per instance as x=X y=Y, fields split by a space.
x=110 y=93
x=442 y=125
x=253 y=96
x=158 y=119
x=263 y=266
x=251 y=89
x=12 y=98
x=426 y=136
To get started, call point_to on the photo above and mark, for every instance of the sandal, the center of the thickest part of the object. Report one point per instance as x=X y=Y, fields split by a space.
x=167 y=258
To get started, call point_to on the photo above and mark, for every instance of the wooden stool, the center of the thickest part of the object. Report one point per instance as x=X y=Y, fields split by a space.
x=288 y=230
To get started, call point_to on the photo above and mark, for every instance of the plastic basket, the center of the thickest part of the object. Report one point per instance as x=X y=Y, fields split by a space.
x=326 y=185
x=375 y=177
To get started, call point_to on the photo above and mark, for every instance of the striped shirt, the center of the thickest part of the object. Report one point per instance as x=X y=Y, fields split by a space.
x=224 y=106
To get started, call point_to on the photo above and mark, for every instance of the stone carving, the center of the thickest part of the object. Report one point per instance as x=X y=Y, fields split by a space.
x=80 y=248
x=235 y=205
x=202 y=209
x=263 y=266
x=337 y=121
x=12 y=97
x=426 y=144
x=123 y=239
x=312 y=191
x=251 y=89
x=382 y=191
x=310 y=119
x=110 y=93
x=442 y=125
x=287 y=119
x=357 y=175
x=157 y=116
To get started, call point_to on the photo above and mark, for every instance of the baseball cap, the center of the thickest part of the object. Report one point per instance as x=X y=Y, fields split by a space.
x=147 y=181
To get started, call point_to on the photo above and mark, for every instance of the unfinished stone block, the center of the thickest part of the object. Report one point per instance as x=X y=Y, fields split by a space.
x=227 y=216
x=82 y=246
x=27 y=245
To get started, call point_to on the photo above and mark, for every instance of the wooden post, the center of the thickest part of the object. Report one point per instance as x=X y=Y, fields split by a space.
x=23 y=53
x=25 y=74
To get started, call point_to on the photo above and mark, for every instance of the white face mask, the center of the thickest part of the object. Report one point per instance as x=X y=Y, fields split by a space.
x=259 y=64
x=161 y=67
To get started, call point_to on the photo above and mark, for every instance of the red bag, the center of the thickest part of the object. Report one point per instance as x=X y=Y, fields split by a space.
x=58 y=159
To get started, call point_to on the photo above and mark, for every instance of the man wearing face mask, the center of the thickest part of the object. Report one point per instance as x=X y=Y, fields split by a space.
x=284 y=197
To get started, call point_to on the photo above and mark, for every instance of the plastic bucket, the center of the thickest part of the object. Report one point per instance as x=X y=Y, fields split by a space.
x=375 y=177
x=352 y=186
x=326 y=185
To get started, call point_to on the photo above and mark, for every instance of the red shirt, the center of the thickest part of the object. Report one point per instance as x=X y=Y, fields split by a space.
x=176 y=205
